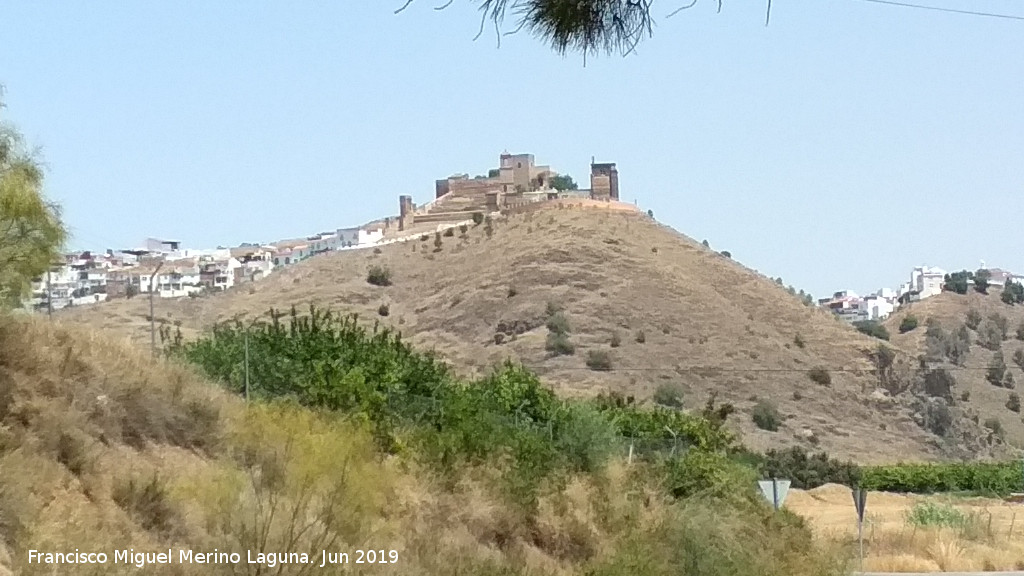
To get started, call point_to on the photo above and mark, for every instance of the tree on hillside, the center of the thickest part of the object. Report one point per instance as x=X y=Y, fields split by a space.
x=996 y=370
x=958 y=282
x=31 y=231
x=563 y=182
x=1013 y=293
x=981 y=280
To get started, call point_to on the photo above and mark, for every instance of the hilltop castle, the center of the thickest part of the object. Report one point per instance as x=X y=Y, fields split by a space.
x=517 y=181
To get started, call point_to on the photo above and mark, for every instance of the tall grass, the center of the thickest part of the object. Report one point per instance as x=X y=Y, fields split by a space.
x=354 y=440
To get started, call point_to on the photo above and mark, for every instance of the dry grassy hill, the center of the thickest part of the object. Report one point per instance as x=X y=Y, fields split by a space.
x=708 y=323
x=973 y=391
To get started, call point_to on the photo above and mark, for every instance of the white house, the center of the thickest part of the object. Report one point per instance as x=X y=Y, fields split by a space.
x=877 y=307
x=927 y=281
x=176 y=278
x=159 y=246
x=356 y=237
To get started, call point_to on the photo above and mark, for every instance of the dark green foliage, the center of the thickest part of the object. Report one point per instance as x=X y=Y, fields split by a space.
x=706 y=244
x=799 y=341
x=909 y=323
x=1020 y=331
x=820 y=375
x=939 y=383
x=1013 y=293
x=384 y=310
x=449 y=232
x=563 y=182
x=599 y=360
x=872 y=328
x=616 y=340
x=958 y=282
x=981 y=280
x=650 y=213
x=807 y=471
x=726 y=253
x=996 y=370
x=478 y=218
x=641 y=337
x=1018 y=358
x=1013 y=403
x=379 y=276
x=766 y=416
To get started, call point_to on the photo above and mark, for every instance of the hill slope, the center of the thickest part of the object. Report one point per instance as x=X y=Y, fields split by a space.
x=708 y=324
x=103 y=450
x=951 y=310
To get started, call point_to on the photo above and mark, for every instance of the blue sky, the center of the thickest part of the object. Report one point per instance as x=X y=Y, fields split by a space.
x=837 y=148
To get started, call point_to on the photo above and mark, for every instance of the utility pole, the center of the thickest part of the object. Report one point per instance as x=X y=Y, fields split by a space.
x=152 y=319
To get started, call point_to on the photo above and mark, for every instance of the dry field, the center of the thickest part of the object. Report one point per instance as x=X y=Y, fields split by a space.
x=946 y=534
x=665 y=308
x=986 y=400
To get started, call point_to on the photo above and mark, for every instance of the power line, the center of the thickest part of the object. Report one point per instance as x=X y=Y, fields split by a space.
x=713 y=369
x=940 y=9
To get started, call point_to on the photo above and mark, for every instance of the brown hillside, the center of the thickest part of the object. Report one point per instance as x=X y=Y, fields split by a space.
x=710 y=325
x=950 y=309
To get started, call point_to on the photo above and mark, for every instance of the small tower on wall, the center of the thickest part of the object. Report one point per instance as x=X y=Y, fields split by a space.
x=604 y=181
x=405 y=212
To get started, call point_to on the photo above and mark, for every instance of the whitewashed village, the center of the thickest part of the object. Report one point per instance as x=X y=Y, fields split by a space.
x=169 y=269
x=925 y=282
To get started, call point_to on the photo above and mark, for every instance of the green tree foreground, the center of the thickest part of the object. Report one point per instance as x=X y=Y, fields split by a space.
x=583 y=26
x=31 y=231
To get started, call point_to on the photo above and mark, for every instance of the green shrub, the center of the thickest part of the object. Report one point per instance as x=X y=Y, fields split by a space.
x=384 y=310
x=148 y=503
x=599 y=360
x=478 y=218
x=820 y=375
x=669 y=394
x=558 y=324
x=807 y=471
x=766 y=416
x=872 y=328
x=559 y=344
x=976 y=477
x=641 y=337
x=936 y=515
x=973 y=318
x=1013 y=403
x=379 y=276
x=799 y=341
x=909 y=323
